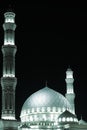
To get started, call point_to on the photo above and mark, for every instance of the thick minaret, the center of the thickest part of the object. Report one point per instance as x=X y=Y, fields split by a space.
x=8 y=80
x=70 y=95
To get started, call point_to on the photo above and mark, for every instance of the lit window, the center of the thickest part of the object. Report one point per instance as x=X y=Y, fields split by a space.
x=43 y=109
x=71 y=119
x=32 y=109
x=48 y=109
x=38 y=109
x=63 y=119
x=54 y=109
x=44 y=124
x=28 y=110
x=68 y=119
x=35 y=117
x=44 y=117
x=51 y=117
x=31 y=118
x=75 y=120
x=27 y=119
x=59 y=119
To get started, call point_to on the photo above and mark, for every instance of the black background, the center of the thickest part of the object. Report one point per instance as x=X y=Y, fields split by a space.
x=49 y=38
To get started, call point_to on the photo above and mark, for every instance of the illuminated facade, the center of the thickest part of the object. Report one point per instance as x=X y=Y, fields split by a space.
x=70 y=95
x=8 y=79
x=44 y=109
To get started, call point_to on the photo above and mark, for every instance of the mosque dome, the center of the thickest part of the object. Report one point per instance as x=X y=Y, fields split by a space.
x=67 y=117
x=46 y=97
x=44 y=105
x=82 y=122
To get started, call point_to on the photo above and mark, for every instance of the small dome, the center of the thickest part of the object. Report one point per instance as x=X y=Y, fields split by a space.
x=67 y=117
x=82 y=122
x=46 y=97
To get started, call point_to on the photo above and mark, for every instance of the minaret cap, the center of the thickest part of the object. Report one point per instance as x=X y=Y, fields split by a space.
x=9 y=17
x=10 y=14
x=69 y=73
x=69 y=69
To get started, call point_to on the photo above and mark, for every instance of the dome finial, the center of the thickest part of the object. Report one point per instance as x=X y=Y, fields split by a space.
x=46 y=83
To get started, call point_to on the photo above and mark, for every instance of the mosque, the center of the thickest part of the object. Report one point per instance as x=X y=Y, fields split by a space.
x=44 y=109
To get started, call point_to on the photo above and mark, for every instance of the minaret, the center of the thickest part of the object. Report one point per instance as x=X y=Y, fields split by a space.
x=8 y=80
x=70 y=95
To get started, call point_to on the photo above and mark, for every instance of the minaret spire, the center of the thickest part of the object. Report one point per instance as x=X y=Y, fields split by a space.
x=70 y=95
x=8 y=80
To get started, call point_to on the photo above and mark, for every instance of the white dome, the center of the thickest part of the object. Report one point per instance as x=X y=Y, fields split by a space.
x=46 y=97
x=44 y=105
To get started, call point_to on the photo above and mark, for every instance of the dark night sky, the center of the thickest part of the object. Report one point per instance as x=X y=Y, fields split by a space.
x=49 y=39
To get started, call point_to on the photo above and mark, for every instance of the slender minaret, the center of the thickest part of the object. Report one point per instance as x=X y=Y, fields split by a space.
x=8 y=80
x=70 y=95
